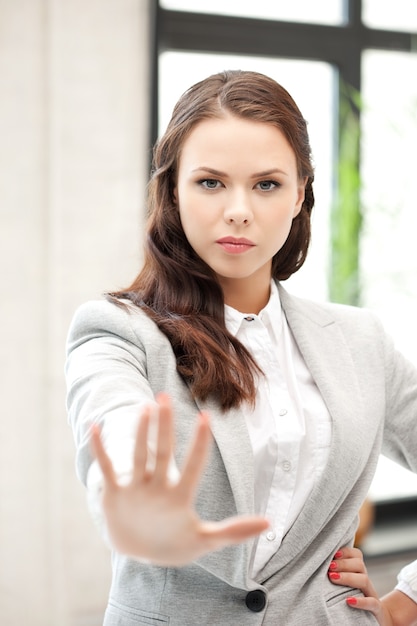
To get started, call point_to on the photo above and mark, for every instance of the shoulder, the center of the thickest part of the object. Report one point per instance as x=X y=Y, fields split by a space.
x=325 y=313
x=96 y=318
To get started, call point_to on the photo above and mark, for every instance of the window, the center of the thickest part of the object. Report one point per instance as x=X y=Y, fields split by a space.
x=323 y=12
x=389 y=140
x=398 y=15
x=388 y=258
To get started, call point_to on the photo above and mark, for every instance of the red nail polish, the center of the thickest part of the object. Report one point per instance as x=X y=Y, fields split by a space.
x=351 y=601
x=333 y=565
x=334 y=575
x=338 y=555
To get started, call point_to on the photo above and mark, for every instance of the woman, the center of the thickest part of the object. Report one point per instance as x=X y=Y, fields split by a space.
x=298 y=397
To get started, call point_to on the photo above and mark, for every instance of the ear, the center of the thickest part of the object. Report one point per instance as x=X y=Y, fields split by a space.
x=301 y=192
x=175 y=195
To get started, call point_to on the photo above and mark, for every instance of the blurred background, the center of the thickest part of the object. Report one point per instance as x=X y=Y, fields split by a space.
x=86 y=86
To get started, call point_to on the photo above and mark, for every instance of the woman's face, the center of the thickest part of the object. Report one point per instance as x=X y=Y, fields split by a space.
x=237 y=194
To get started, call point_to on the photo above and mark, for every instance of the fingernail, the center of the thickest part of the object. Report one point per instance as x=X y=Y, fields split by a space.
x=351 y=601
x=338 y=554
x=333 y=565
x=334 y=575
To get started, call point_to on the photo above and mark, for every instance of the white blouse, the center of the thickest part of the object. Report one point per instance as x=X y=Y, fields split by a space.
x=290 y=426
x=407 y=580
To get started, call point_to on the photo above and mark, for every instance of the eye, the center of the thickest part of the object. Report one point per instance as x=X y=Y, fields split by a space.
x=267 y=185
x=209 y=183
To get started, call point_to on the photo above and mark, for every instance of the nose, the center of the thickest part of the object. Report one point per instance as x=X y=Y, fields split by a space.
x=238 y=209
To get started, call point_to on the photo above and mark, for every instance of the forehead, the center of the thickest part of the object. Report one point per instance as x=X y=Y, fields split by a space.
x=234 y=138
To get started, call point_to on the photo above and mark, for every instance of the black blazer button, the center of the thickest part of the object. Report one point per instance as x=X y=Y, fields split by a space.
x=256 y=600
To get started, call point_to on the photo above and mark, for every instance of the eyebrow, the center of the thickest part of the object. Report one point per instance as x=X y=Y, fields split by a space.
x=210 y=170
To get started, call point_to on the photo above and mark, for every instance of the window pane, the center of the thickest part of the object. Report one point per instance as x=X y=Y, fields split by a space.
x=178 y=71
x=323 y=12
x=389 y=257
x=389 y=139
x=398 y=15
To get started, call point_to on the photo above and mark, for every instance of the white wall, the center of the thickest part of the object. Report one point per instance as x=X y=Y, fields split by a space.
x=73 y=166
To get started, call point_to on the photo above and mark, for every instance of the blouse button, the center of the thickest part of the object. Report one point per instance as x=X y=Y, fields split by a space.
x=271 y=535
x=286 y=466
x=283 y=412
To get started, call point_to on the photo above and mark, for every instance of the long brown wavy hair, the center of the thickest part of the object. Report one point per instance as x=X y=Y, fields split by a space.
x=178 y=290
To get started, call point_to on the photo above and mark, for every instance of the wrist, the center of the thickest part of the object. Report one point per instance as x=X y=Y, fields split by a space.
x=401 y=609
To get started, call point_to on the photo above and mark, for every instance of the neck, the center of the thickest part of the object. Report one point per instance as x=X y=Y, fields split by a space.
x=246 y=297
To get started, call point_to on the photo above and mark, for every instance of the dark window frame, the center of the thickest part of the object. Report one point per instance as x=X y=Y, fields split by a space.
x=340 y=45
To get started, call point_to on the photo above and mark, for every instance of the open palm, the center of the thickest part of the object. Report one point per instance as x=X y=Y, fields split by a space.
x=152 y=519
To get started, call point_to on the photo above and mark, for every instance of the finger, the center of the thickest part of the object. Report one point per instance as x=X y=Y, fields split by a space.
x=165 y=438
x=233 y=530
x=356 y=581
x=349 y=560
x=348 y=565
x=196 y=459
x=140 y=454
x=102 y=457
x=365 y=604
x=348 y=579
x=348 y=553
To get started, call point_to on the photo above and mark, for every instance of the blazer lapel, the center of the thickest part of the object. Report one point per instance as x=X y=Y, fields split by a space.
x=231 y=438
x=327 y=355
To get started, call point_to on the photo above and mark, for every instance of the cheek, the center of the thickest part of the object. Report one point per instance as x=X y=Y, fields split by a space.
x=190 y=221
x=280 y=230
x=283 y=217
x=195 y=213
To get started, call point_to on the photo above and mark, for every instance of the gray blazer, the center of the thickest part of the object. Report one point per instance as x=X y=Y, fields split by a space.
x=117 y=358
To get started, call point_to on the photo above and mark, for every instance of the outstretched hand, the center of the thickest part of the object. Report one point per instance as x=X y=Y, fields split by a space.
x=152 y=519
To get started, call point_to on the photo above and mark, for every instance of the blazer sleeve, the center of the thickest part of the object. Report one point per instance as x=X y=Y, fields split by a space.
x=107 y=384
x=400 y=432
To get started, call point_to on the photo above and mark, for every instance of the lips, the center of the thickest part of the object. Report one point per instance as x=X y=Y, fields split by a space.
x=235 y=245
